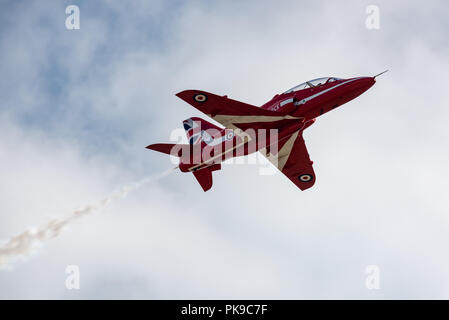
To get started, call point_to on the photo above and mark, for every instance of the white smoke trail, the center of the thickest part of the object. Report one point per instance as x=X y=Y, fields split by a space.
x=22 y=244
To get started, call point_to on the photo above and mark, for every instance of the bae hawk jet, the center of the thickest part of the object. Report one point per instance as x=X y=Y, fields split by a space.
x=274 y=129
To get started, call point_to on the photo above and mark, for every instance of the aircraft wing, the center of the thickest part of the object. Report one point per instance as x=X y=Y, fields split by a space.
x=293 y=160
x=231 y=113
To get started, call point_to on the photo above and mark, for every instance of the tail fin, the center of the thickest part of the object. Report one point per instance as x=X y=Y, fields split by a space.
x=195 y=127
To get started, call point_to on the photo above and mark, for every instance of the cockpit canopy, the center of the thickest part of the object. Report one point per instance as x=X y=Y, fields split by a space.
x=312 y=83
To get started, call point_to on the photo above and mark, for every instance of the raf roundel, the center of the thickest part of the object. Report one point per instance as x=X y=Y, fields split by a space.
x=200 y=97
x=305 y=178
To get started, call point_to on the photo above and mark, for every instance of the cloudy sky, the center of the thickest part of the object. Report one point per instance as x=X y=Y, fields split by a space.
x=79 y=106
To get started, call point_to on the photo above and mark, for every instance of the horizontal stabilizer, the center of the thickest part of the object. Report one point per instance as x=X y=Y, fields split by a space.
x=204 y=177
x=168 y=148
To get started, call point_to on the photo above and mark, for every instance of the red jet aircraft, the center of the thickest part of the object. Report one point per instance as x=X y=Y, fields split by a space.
x=274 y=129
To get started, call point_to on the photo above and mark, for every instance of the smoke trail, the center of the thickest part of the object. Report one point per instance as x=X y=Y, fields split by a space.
x=23 y=243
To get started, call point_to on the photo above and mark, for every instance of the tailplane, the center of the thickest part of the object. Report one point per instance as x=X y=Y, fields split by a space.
x=169 y=148
x=204 y=176
x=200 y=133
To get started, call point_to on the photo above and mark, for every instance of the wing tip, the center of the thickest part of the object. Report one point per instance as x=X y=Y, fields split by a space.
x=306 y=180
x=304 y=187
x=188 y=92
x=182 y=93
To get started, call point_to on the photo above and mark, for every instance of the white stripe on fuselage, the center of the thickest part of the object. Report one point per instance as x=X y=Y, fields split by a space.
x=303 y=101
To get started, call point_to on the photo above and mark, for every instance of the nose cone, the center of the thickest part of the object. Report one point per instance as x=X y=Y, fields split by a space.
x=355 y=87
x=359 y=86
x=364 y=83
